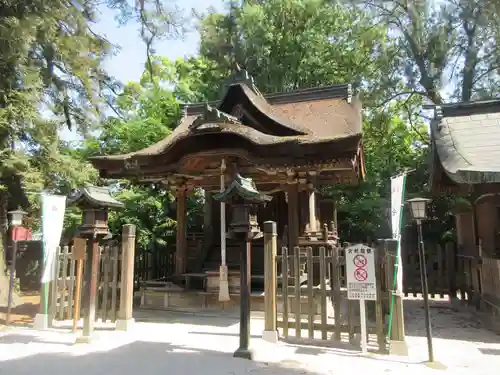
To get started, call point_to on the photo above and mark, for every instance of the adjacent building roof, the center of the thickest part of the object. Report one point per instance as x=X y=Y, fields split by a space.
x=466 y=143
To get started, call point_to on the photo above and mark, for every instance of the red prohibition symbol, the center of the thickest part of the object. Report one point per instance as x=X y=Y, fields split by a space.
x=361 y=274
x=360 y=261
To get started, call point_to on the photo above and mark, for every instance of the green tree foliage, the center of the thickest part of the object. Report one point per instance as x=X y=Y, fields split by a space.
x=148 y=111
x=390 y=146
x=51 y=76
x=290 y=44
x=445 y=46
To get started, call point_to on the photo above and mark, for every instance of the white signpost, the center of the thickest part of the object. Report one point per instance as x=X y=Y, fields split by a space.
x=361 y=281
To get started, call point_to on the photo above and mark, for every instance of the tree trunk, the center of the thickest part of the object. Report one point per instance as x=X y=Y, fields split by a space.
x=4 y=278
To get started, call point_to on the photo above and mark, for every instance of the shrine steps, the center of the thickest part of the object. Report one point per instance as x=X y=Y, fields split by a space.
x=170 y=297
x=194 y=300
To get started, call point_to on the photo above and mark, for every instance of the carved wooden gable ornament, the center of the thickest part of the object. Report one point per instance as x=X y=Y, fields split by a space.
x=211 y=120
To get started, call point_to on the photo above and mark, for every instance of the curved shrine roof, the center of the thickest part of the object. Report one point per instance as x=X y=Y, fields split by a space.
x=303 y=117
x=466 y=144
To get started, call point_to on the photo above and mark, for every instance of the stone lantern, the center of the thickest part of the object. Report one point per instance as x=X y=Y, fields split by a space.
x=243 y=197
x=94 y=202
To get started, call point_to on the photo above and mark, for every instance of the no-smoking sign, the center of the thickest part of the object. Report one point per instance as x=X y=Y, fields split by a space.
x=360 y=270
x=360 y=262
x=361 y=274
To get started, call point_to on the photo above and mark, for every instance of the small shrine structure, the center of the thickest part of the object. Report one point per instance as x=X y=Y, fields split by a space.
x=290 y=144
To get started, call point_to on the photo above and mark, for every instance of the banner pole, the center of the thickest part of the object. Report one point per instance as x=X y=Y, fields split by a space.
x=396 y=262
x=53 y=209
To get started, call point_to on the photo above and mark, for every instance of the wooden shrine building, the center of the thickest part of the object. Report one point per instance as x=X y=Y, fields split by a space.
x=466 y=161
x=289 y=143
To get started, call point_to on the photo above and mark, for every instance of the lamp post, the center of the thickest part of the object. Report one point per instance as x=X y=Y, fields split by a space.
x=243 y=196
x=16 y=220
x=418 y=210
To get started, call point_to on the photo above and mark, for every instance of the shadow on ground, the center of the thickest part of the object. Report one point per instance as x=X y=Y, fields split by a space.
x=147 y=358
x=28 y=339
x=489 y=351
x=447 y=322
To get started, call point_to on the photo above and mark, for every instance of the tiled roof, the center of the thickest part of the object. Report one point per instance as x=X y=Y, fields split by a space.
x=466 y=137
x=96 y=195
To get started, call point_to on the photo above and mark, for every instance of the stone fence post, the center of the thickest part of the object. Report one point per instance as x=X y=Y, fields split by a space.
x=125 y=317
x=270 y=248
x=398 y=345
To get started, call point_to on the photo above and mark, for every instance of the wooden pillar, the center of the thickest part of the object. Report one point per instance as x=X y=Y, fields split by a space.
x=451 y=270
x=125 y=318
x=208 y=230
x=303 y=207
x=270 y=249
x=312 y=209
x=91 y=275
x=181 y=243
x=335 y=219
x=319 y=223
x=293 y=215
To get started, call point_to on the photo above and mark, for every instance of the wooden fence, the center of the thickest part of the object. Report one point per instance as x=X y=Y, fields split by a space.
x=62 y=290
x=478 y=283
x=153 y=264
x=490 y=278
x=441 y=267
x=323 y=312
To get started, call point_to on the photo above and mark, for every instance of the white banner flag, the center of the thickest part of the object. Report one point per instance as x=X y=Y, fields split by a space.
x=53 y=208
x=397 y=197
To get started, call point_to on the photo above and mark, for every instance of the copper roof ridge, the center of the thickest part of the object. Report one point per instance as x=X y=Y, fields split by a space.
x=339 y=91
x=465 y=108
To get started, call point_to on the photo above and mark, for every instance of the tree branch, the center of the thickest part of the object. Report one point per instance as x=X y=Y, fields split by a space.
x=410 y=93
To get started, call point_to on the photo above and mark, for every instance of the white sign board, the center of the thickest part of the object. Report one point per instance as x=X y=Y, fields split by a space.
x=360 y=270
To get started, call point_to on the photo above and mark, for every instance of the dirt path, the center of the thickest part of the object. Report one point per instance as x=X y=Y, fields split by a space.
x=459 y=339
x=23 y=313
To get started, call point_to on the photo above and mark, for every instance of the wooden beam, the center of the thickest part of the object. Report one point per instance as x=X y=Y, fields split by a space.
x=293 y=215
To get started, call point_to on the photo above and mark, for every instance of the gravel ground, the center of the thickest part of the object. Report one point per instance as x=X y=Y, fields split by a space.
x=459 y=339
x=194 y=344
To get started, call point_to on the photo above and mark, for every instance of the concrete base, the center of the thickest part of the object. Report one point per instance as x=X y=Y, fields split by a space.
x=243 y=353
x=124 y=325
x=399 y=348
x=84 y=339
x=436 y=365
x=270 y=336
x=223 y=284
x=41 y=322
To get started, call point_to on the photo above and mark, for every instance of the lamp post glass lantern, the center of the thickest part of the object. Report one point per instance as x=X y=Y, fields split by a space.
x=418 y=208
x=15 y=219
